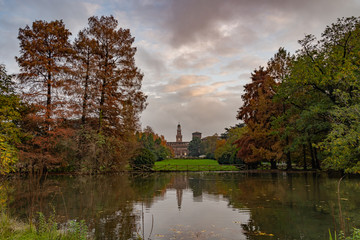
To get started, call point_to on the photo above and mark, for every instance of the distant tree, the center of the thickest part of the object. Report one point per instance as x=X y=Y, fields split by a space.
x=208 y=146
x=227 y=149
x=194 y=147
x=154 y=143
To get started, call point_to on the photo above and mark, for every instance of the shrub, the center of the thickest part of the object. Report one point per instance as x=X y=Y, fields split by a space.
x=143 y=160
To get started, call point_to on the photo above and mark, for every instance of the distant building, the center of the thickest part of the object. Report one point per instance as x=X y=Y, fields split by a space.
x=181 y=148
x=196 y=135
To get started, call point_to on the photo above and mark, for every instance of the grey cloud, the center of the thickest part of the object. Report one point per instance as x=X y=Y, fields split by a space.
x=193 y=61
x=246 y=62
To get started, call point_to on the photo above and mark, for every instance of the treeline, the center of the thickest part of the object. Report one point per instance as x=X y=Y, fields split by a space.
x=305 y=108
x=301 y=109
x=75 y=105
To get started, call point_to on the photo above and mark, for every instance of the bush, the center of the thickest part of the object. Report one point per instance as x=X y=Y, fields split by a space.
x=143 y=160
x=225 y=158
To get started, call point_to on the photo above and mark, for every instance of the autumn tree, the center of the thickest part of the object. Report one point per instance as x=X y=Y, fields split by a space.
x=85 y=87
x=44 y=51
x=258 y=143
x=118 y=81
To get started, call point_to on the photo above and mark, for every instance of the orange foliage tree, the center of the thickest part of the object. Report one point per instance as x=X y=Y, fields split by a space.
x=258 y=144
x=44 y=53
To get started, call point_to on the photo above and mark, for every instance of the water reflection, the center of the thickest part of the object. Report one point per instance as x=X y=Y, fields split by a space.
x=191 y=205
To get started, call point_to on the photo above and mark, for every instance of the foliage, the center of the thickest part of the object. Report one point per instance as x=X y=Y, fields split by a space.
x=208 y=146
x=84 y=99
x=355 y=235
x=10 y=108
x=154 y=143
x=259 y=143
x=194 y=147
x=117 y=87
x=324 y=86
x=227 y=149
x=46 y=229
x=143 y=160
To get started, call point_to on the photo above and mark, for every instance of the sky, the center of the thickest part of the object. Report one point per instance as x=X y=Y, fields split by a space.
x=196 y=55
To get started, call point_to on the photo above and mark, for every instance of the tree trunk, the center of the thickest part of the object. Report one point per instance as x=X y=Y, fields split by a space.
x=313 y=165
x=317 y=162
x=304 y=156
x=288 y=156
x=102 y=98
x=86 y=89
x=273 y=164
x=48 y=102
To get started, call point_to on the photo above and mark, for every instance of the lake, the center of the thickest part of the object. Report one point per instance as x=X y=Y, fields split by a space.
x=205 y=205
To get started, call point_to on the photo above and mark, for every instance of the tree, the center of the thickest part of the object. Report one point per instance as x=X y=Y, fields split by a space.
x=84 y=64
x=154 y=143
x=257 y=112
x=143 y=160
x=194 y=147
x=330 y=68
x=10 y=108
x=119 y=96
x=226 y=148
x=44 y=51
x=208 y=146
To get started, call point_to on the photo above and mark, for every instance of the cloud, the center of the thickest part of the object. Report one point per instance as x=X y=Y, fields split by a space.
x=185 y=82
x=196 y=55
x=244 y=63
x=193 y=61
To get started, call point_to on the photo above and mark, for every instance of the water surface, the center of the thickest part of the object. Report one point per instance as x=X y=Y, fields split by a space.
x=191 y=205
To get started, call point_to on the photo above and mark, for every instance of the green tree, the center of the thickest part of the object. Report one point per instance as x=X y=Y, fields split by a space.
x=227 y=149
x=143 y=160
x=324 y=86
x=10 y=108
x=194 y=147
x=208 y=146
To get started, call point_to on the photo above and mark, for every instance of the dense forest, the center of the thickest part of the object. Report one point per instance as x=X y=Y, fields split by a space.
x=75 y=105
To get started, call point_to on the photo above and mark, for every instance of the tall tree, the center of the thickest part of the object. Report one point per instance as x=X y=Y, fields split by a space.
x=44 y=51
x=258 y=110
x=84 y=63
x=329 y=68
x=120 y=99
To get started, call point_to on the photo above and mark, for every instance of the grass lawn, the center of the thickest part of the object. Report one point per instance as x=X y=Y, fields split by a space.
x=192 y=165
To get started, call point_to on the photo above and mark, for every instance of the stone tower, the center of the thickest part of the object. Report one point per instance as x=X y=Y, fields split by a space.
x=196 y=135
x=178 y=135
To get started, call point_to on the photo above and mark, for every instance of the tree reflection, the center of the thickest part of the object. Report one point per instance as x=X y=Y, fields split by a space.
x=289 y=206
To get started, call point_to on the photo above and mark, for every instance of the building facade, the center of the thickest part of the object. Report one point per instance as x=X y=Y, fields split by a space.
x=179 y=147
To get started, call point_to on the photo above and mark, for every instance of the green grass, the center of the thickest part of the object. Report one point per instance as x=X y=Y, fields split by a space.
x=192 y=165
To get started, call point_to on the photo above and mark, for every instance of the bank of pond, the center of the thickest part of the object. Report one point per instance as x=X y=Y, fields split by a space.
x=189 y=205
